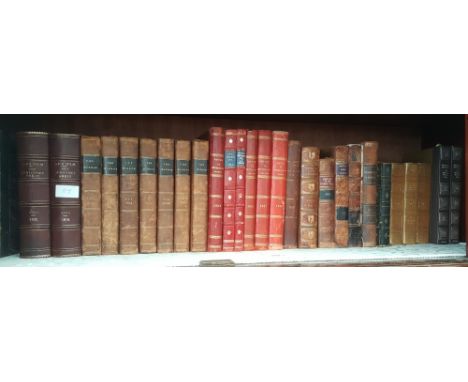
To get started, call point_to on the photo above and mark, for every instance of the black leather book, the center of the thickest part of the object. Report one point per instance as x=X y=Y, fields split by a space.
x=384 y=176
x=456 y=163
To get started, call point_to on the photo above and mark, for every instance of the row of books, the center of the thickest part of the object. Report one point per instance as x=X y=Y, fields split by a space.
x=241 y=190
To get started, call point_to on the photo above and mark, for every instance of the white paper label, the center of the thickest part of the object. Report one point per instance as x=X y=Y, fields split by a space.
x=67 y=191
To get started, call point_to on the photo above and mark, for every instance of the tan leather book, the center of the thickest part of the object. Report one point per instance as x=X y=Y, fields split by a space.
x=410 y=204
x=182 y=196
x=396 y=203
x=369 y=194
x=199 y=191
x=424 y=200
x=326 y=210
x=354 y=197
x=165 y=195
x=110 y=195
x=128 y=243
x=341 y=196
x=148 y=198
x=91 y=174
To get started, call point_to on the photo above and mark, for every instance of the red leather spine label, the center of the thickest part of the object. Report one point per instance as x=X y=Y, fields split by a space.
x=230 y=161
x=240 y=190
x=250 y=190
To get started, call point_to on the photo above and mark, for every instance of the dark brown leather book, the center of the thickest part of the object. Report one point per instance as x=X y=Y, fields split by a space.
x=424 y=199
x=91 y=174
x=199 y=191
x=110 y=195
x=326 y=210
x=33 y=194
x=128 y=235
x=309 y=197
x=397 y=203
x=410 y=204
x=166 y=195
x=369 y=194
x=354 y=199
x=148 y=197
x=65 y=206
x=182 y=197
x=341 y=195
x=291 y=218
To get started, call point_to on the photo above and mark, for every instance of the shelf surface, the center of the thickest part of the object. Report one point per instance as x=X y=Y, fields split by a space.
x=420 y=254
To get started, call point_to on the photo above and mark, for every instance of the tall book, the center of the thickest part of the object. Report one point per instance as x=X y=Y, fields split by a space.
x=423 y=201
x=33 y=194
x=216 y=190
x=309 y=198
x=291 y=217
x=279 y=169
x=165 y=195
x=341 y=196
x=440 y=195
x=182 y=196
x=65 y=208
x=384 y=174
x=250 y=190
x=91 y=175
x=369 y=194
x=148 y=186
x=199 y=192
x=240 y=190
x=326 y=210
x=230 y=160
x=110 y=195
x=410 y=204
x=262 y=216
x=397 y=194
x=354 y=198
x=456 y=163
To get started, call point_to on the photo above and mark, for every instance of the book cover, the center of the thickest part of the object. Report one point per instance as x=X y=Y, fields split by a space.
x=250 y=190
x=199 y=191
x=397 y=194
x=423 y=201
x=230 y=160
x=354 y=197
x=240 y=189
x=341 y=196
x=369 y=194
x=410 y=204
x=291 y=217
x=182 y=196
x=326 y=210
x=384 y=173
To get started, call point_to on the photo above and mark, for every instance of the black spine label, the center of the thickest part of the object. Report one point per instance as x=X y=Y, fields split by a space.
x=341 y=213
x=182 y=167
x=200 y=167
x=166 y=167
x=110 y=165
x=128 y=166
x=91 y=164
x=370 y=174
x=341 y=169
x=147 y=165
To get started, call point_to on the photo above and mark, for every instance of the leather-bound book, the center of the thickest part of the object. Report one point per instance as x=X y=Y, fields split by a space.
x=410 y=204
x=216 y=190
x=291 y=216
x=326 y=210
x=279 y=170
x=128 y=235
x=250 y=190
x=262 y=216
x=199 y=205
x=166 y=195
x=91 y=175
x=397 y=203
x=33 y=194
x=230 y=160
x=148 y=186
x=65 y=209
x=354 y=198
x=384 y=174
x=240 y=190
x=341 y=196
x=440 y=195
x=424 y=198
x=309 y=197
x=110 y=195
x=456 y=163
x=369 y=194
x=182 y=196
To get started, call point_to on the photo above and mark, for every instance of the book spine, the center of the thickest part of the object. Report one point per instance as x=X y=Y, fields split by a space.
x=456 y=158
x=148 y=186
x=291 y=218
x=240 y=190
x=91 y=174
x=110 y=195
x=369 y=194
x=262 y=216
x=326 y=210
x=33 y=194
x=279 y=169
x=384 y=172
x=65 y=209
x=165 y=195
x=424 y=195
x=182 y=197
x=230 y=159
x=354 y=197
x=216 y=190
x=250 y=190
x=410 y=204
x=128 y=234
x=341 y=196
x=397 y=194
x=199 y=205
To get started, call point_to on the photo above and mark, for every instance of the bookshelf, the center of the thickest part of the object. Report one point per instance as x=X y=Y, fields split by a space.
x=400 y=137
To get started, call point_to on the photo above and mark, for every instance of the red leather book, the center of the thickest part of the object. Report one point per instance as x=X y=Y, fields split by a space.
x=279 y=168
x=240 y=190
x=262 y=216
x=250 y=190
x=216 y=190
x=230 y=160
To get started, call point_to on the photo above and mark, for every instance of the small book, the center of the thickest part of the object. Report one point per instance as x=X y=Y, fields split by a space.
x=424 y=198
x=250 y=190
x=240 y=190
x=397 y=194
x=326 y=210
x=369 y=194
x=291 y=218
x=354 y=198
x=384 y=174
x=456 y=163
x=230 y=160
x=410 y=203
x=182 y=196
x=341 y=196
